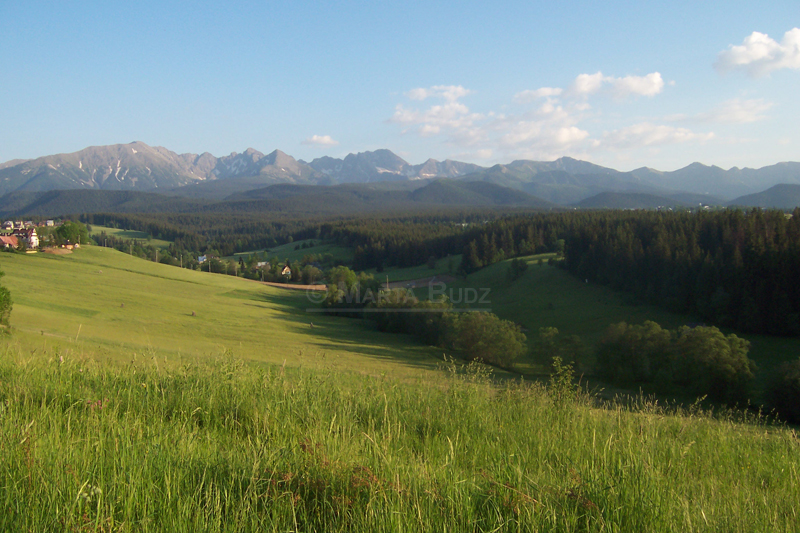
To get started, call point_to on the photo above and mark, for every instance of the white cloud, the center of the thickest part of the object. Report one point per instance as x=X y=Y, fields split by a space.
x=647 y=134
x=759 y=54
x=554 y=126
x=587 y=84
x=451 y=93
x=531 y=95
x=649 y=85
x=452 y=117
x=737 y=111
x=321 y=140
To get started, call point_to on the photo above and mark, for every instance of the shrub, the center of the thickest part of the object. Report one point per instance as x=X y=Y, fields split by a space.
x=551 y=345
x=702 y=360
x=708 y=362
x=485 y=337
x=633 y=354
x=783 y=391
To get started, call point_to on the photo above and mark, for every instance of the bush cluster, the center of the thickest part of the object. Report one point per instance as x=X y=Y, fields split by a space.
x=701 y=360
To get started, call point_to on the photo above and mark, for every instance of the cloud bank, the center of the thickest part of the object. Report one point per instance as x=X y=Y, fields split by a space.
x=759 y=54
x=551 y=121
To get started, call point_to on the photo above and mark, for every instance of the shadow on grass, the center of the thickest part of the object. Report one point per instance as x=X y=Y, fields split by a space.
x=356 y=335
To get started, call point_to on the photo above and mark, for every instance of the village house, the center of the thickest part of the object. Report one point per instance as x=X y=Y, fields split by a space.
x=8 y=224
x=28 y=236
x=8 y=241
x=286 y=271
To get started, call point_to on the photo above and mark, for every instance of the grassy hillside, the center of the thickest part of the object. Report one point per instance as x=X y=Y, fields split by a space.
x=101 y=301
x=130 y=235
x=232 y=447
x=287 y=251
x=121 y=411
x=419 y=272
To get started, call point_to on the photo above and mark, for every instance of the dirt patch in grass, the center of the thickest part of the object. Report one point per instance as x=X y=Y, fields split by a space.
x=56 y=251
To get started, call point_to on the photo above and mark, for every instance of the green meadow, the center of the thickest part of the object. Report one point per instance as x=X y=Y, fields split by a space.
x=287 y=251
x=220 y=445
x=136 y=396
x=442 y=266
x=99 y=299
x=129 y=234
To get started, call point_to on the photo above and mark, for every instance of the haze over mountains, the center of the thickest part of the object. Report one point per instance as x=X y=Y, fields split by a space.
x=137 y=167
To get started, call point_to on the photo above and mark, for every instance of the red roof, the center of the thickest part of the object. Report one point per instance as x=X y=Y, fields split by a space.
x=9 y=240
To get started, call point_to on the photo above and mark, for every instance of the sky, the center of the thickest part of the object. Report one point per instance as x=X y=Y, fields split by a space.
x=620 y=84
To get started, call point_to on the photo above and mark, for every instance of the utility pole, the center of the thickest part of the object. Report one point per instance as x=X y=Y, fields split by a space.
x=181 y=260
x=156 y=255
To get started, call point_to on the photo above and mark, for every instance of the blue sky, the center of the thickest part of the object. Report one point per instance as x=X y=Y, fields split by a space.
x=622 y=84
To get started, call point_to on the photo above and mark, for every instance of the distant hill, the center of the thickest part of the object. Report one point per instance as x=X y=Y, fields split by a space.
x=380 y=196
x=781 y=196
x=286 y=198
x=628 y=200
x=12 y=163
x=478 y=193
x=76 y=201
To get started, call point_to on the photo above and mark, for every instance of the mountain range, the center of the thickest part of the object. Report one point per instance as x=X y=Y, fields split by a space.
x=138 y=167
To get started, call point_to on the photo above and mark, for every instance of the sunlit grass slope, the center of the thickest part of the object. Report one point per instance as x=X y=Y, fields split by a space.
x=104 y=301
x=232 y=447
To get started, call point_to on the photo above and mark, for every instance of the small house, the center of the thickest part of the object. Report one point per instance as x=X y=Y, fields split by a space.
x=8 y=241
x=8 y=224
x=286 y=271
x=28 y=236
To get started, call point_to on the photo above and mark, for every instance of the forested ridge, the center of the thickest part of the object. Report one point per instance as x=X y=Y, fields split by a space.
x=732 y=268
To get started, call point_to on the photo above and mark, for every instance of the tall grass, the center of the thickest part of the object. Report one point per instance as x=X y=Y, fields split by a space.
x=228 y=446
